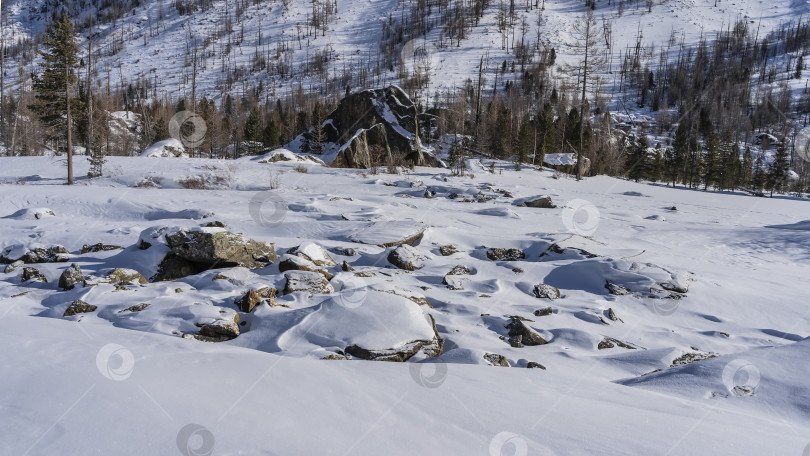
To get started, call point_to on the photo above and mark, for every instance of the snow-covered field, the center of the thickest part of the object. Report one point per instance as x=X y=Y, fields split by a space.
x=623 y=367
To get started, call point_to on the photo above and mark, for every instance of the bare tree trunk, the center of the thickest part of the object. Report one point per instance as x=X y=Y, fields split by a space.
x=582 y=101
x=69 y=127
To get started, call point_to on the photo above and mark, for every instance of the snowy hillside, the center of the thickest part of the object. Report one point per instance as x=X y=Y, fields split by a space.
x=628 y=319
x=274 y=43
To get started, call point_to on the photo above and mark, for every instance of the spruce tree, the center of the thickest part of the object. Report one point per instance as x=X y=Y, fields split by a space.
x=778 y=171
x=54 y=103
x=747 y=168
x=253 y=131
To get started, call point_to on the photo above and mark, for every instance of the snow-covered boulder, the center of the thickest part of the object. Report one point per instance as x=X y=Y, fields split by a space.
x=384 y=327
x=166 y=149
x=32 y=214
x=199 y=249
x=407 y=258
x=310 y=282
x=34 y=254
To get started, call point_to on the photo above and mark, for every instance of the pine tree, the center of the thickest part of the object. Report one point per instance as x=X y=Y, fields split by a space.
x=711 y=162
x=524 y=142
x=545 y=133
x=637 y=162
x=758 y=177
x=54 y=103
x=656 y=168
x=747 y=168
x=680 y=152
x=799 y=65
x=253 y=131
x=778 y=171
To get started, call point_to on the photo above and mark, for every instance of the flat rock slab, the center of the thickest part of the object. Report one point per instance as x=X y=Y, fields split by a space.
x=389 y=234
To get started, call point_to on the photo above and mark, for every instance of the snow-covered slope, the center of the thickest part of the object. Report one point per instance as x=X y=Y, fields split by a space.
x=154 y=43
x=628 y=368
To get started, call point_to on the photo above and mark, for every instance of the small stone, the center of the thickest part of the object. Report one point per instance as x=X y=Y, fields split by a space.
x=253 y=298
x=497 y=254
x=216 y=224
x=136 y=307
x=87 y=248
x=543 y=312
x=534 y=365
x=612 y=315
x=616 y=289
x=527 y=335
x=346 y=267
x=447 y=250
x=14 y=266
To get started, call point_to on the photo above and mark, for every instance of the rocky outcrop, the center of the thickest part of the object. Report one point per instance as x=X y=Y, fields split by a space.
x=71 y=277
x=136 y=308
x=126 y=276
x=407 y=258
x=209 y=248
x=370 y=126
x=452 y=279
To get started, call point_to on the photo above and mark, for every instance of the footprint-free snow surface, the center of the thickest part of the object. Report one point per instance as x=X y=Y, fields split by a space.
x=671 y=323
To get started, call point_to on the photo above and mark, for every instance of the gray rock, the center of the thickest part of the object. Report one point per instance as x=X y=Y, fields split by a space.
x=253 y=298
x=310 y=282
x=431 y=348
x=196 y=251
x=534 y=365
x=297 y=263
x=495 y=359
x=541 y=203
x=136 y=308
x=30 y=273
x=52 y=254
x=522 y=334
x=220 y=330
x=13 y=266
x=71 y=277
x=407 y=258
x=616 y=289
x=87 y=248
x=544 y=291
x=496 y=254
x=543 y=312
x=447 y=250
x=126 y=276
x=78 y=306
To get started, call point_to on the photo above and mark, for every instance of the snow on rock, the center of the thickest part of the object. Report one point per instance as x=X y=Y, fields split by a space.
x=32 y=214
x=382 y=327
x=167 y=148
